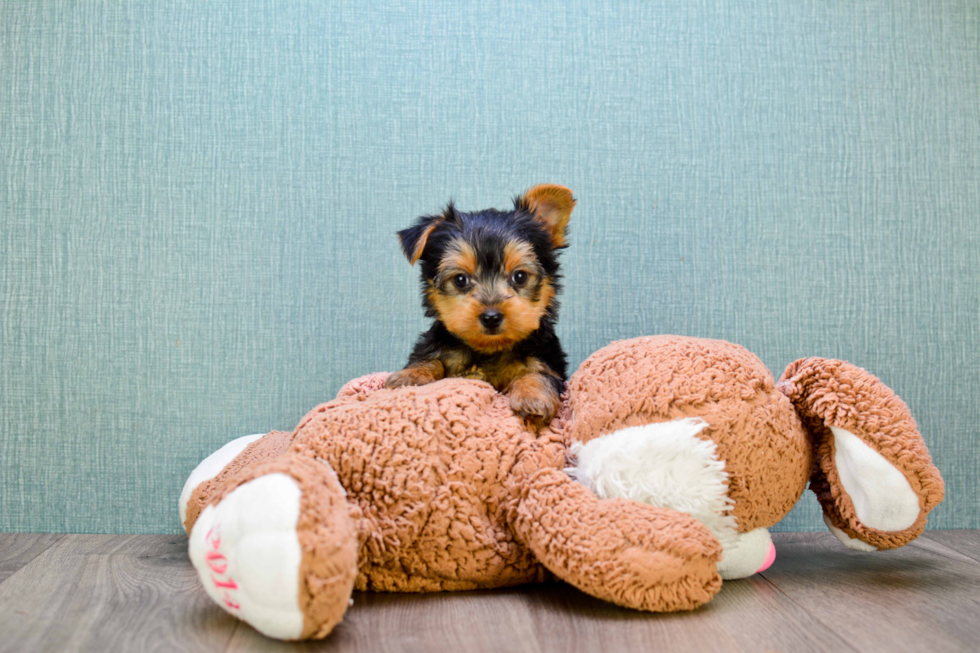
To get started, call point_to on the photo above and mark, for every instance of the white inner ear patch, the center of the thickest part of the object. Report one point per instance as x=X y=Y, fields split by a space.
x=664 y=465
x=882 y=496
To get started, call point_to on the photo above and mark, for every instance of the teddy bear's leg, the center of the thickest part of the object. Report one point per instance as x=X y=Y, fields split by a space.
x=635 y=555
x=209 y=476
x=873 y=475
x=277 y=547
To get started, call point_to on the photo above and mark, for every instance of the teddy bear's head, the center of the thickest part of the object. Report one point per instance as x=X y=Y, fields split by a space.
x=690 y=424
x=701 y=426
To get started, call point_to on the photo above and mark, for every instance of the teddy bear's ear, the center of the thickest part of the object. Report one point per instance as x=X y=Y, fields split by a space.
x=874 y=477
x=551 y=205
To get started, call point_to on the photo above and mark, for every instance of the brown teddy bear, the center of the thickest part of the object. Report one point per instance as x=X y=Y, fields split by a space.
x=670 y=459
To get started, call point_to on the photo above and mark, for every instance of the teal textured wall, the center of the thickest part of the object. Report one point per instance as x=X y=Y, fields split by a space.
x=199 y=201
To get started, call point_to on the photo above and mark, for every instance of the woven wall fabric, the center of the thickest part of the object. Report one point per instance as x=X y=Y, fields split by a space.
x=198 y=204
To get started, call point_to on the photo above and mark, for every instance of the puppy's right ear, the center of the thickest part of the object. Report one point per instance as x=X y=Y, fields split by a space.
x=414 y=238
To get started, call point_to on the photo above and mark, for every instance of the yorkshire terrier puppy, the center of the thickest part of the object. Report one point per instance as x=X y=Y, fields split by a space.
x=490 y=279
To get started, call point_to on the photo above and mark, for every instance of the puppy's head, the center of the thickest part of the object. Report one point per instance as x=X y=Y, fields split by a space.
x=491 y=276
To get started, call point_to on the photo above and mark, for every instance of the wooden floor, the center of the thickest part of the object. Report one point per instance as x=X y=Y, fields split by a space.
x=139 y=593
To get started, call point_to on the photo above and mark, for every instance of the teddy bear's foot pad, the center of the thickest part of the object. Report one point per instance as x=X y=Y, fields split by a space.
x=210 y=476
x=247 y=554
x=211 y=467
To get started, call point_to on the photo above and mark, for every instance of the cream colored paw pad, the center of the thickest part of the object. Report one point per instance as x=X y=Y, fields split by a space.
x=211 y=467
x=247 y=554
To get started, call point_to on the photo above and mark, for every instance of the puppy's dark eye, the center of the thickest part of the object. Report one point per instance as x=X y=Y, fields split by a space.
x=461 y=281
x=519 y=278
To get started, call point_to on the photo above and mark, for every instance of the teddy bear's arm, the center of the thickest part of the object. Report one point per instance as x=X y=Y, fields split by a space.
x=621 y=551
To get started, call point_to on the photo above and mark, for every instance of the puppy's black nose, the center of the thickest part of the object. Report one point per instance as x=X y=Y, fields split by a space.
x=491 y=319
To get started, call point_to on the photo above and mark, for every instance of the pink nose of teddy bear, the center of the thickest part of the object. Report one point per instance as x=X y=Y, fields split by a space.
x=770 y=558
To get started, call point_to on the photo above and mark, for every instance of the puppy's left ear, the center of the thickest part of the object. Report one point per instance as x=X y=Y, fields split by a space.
x=551 y=205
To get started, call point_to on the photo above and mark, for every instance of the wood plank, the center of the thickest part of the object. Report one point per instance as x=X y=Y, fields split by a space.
x=570 y=620
x=911 y=599
x=111 y=593
x=746 y=615
x=18 y=549
x=965 y=542
x=136 y=593
x=458 y=621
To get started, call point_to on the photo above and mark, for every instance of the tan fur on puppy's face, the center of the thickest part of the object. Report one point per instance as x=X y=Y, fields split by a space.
x=522 y=304
x=461 y=315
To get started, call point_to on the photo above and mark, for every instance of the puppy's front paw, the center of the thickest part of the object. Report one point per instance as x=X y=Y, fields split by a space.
x=421 y=374
x=533 y=398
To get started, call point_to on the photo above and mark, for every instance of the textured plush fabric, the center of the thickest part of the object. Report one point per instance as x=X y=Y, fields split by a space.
x=326 y=531
x=447 y=490
x=268 y=446
x=198 y=203
x=637 y=556
x=436 y=472
x=663 y=378
x=442 y=487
